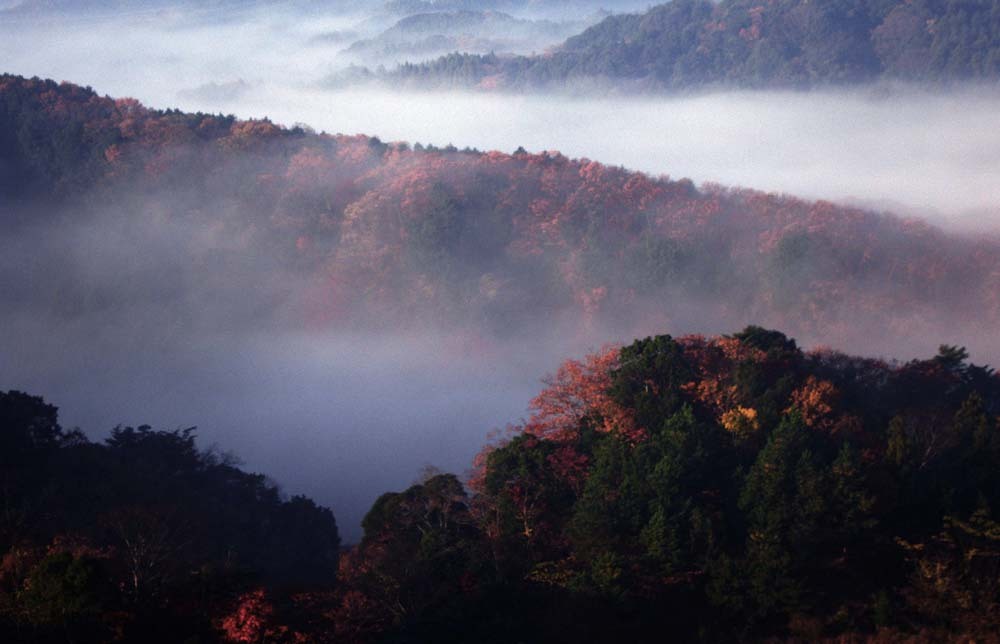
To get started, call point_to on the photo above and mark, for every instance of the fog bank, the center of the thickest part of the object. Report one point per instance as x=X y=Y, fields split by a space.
x=346 y=417
x=340 y=419
x=928 y=153
x=935 y=156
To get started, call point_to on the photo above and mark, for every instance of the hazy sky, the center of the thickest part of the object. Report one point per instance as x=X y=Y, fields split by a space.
x=344 y=419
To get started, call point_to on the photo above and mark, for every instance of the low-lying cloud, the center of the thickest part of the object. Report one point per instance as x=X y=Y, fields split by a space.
x=930 y=153
x=908 y=151
x=345 y=417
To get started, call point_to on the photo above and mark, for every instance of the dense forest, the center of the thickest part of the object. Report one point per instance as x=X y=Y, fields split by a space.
x=141 y=537
x=372 y=234
x=351 y=315
x=711 y=489
x=687 y=44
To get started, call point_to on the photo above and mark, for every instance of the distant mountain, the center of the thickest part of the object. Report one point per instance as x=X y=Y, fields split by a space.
x=377 y=235
x=424 y=6
x=745 y=43
x=536 y=7
x=437 y=33
x=394 y=7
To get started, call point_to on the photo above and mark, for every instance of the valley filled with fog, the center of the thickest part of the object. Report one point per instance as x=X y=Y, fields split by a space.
x=343 y=417
x=925 y=152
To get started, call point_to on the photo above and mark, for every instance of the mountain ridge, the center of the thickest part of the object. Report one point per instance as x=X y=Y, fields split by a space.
x=385 y=231
x=688 y=44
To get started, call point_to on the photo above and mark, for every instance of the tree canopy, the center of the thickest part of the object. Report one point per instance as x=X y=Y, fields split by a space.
x=685 y=44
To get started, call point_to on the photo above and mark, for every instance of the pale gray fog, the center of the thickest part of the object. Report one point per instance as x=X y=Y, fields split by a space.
x=345 y=418
x=931 y=154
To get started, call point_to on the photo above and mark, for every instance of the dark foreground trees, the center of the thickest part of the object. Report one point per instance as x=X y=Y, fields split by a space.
x=140 y=538
x=711 y=489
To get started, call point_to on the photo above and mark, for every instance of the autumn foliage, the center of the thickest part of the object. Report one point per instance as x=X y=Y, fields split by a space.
x=577 y=391
x=769 y=491
x=686 y=44
x=710 y=487
x=379 y=235
x=719 y=488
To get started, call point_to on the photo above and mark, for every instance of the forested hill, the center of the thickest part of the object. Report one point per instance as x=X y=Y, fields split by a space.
x=369 y=234
x=719 y=489
x=731 y=488
x=750 y=43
